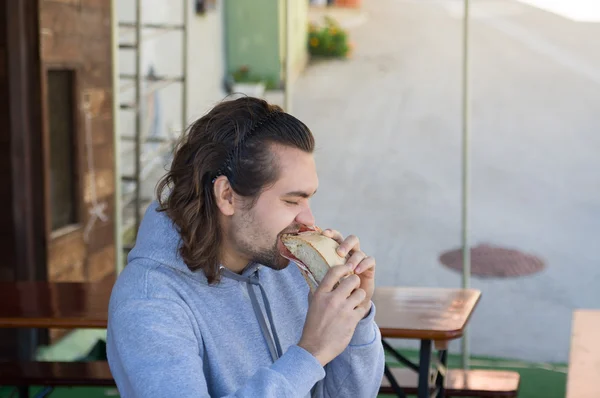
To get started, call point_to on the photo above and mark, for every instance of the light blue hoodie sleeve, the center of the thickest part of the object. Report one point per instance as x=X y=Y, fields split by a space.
x=151 y=358
x=358 y=370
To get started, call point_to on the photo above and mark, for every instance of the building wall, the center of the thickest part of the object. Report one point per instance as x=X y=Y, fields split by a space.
x=299 y=33
x=205 y=61
x=161 y=52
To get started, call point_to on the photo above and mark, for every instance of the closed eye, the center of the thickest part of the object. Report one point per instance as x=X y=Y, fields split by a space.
x=291 y=202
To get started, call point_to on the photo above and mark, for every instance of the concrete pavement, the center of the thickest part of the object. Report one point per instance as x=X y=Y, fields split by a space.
x=388 y=131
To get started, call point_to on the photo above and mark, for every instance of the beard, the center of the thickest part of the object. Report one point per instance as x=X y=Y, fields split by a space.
x=253 y=241
x=270 y=258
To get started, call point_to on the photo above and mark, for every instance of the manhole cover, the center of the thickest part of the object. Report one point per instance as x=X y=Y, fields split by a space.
x=492 y=261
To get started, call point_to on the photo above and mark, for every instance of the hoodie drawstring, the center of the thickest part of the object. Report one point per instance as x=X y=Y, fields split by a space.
x=270 y=336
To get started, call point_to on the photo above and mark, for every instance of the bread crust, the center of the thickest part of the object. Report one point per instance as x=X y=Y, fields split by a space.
x=322 y=246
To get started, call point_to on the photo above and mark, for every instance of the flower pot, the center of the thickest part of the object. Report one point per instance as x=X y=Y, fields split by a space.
x=250 y=89
x=348 y=3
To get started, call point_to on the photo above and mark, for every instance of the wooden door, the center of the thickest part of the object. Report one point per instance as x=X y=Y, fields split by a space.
x=76 y=53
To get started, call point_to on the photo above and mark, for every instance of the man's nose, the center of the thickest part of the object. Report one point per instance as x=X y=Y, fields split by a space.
x=306 y=217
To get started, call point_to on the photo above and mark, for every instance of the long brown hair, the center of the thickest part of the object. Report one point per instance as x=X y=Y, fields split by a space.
x=231 y=140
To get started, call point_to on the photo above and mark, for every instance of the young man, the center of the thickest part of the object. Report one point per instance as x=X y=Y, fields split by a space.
x=208 y=307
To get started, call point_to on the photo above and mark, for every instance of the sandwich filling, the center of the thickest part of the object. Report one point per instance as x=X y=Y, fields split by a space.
x=308 y=275
x=312 y=252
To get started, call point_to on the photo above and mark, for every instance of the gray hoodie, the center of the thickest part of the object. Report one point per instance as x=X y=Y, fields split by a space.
x=170 y=334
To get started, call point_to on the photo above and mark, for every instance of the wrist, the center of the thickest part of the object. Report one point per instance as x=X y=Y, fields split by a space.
x=314 y=352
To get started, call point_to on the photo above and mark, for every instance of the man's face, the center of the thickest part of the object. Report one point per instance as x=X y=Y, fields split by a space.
x=282 y=208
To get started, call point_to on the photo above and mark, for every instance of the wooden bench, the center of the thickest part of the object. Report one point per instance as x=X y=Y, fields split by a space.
x=460 y=383
x=584 y=356
x=55 y=374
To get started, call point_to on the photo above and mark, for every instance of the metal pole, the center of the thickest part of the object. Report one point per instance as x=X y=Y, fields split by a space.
x=288 y=58
x=184 y=66
x=117 y=216
x=465 y=171
x=138 y=113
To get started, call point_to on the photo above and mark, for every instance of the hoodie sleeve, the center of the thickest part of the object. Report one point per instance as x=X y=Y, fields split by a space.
x=358 y=370
x=148 y=357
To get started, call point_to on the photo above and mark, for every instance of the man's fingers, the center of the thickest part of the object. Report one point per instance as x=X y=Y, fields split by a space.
x=356 y=298
x=350 y=244
x=367 y=263
x=333 y=234
x=347 y=245
x=333 y=276
x=355 y=259
x=348 y=285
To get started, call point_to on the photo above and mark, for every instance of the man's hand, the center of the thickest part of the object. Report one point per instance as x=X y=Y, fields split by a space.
x=363 y=265
x=333 y=315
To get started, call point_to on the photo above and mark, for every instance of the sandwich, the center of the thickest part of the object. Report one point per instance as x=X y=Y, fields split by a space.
x=313 y=252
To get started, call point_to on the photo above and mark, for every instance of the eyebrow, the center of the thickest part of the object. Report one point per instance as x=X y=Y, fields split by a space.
x=301 y=194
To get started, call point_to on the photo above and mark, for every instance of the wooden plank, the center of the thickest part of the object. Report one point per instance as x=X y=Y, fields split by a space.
x=97 y=4
x=55 y=49
x=102 y=126
x=103 y=180
x=101 y=236
x=57 y=19
x=8 y=338
x=60 y=27
x=96 y=100
x=25 y=113
x=7 y=235
x=24 y=250
x=76 y=35
x=95 y=373
x=75 y=3
x=66 y=256
x=101 y=264
x=584 y=356
x=98 y=18
x=55 y=305
x=424 y=313
x=472 y=383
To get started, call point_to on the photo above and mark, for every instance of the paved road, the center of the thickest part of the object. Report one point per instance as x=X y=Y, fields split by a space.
x=388 y=130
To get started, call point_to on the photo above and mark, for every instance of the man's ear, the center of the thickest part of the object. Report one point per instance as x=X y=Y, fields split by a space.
x=224 y=195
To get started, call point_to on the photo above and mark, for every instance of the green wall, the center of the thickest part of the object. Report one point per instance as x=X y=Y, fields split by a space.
x=255 y=36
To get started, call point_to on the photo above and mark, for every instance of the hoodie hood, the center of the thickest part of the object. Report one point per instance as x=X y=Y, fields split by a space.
x=159 y=240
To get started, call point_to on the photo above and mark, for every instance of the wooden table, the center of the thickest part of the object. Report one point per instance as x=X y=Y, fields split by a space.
x=435 y=316
x=584 y=357
x=59 y=305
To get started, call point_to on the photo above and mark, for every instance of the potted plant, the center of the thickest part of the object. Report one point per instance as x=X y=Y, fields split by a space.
x=243 y=82
x=328 y=40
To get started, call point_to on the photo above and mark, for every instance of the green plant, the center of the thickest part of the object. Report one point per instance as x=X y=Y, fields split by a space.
x=243 y=75
x=328 y=40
